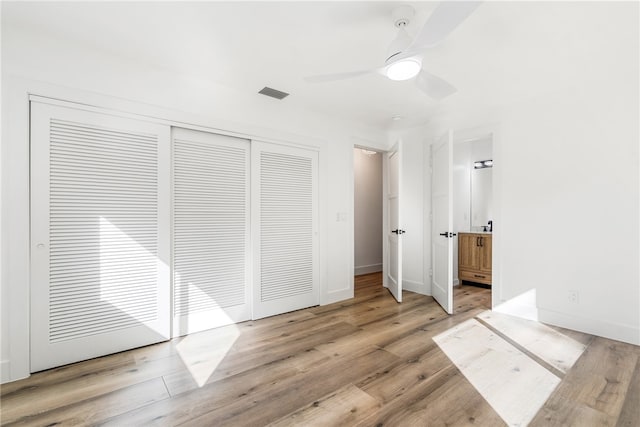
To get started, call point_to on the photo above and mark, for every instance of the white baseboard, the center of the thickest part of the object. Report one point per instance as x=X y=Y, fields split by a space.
x=614 y=331
x=366 y=269
x=456 y=282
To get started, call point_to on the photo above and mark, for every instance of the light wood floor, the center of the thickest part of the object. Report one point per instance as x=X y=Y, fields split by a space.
x=368 y=361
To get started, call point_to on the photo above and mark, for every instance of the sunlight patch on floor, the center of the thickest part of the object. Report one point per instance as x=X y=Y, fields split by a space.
x=557 y=349
x=202 y=352
x=510 y=381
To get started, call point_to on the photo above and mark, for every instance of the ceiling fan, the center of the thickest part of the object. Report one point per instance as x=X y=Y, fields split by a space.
x=404 y=60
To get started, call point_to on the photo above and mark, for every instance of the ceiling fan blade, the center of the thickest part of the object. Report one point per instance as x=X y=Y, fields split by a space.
x=444 y=19
x=337 y=76
x=434 y=86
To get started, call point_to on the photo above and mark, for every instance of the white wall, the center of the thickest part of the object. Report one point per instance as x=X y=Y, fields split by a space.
x=42 y=65
x=566 y=179
x=570 y=210
x=367 y=211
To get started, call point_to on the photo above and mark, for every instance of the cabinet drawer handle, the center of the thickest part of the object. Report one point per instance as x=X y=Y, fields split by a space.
x=478 y=275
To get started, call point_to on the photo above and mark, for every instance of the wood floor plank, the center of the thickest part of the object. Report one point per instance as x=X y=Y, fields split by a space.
x=630 y=412
x=195 y=401
x=98 y=409
x=443 y=399
x=344 y=407
x=466 y=297
x=595 y=389
x=183 y=381
x=392 y=383
x=273 y=338
x=123 y=360
x=241 y=361
x=276 y=349
x=382 y=331
x=297 y=392
x=43 y=398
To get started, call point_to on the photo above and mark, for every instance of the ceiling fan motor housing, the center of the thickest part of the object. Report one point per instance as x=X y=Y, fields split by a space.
x=402 y=15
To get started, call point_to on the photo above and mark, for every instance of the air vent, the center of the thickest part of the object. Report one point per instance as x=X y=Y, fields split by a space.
x=273 y=93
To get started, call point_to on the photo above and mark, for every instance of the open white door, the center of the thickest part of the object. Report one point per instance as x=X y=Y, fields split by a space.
x=442 y=221
x=393 y=271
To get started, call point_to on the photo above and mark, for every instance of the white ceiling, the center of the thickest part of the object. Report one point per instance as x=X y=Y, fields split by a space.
x=504 y=52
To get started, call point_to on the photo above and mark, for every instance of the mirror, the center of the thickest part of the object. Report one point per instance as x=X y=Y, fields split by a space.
x=481 y=195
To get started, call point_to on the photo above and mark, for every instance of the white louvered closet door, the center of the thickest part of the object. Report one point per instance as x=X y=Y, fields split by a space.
x=99 y=234
x=285 y=220
x=210 y=231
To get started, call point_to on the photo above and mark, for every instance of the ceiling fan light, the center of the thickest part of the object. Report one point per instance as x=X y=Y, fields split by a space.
x=403 y=69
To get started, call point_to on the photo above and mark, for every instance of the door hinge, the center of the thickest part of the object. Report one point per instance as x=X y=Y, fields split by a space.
x=431 y=272
x=430 y=216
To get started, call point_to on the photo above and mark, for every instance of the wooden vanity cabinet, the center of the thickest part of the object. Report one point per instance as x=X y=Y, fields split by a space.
x=474 y=257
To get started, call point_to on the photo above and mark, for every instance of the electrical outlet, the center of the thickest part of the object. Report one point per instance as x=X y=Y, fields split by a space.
x=572 y=297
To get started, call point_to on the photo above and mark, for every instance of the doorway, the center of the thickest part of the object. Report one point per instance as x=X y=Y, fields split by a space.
x=473 y=214
x=368 y=214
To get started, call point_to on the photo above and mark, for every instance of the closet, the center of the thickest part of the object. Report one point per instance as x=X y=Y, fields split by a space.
x=141 y=231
